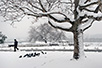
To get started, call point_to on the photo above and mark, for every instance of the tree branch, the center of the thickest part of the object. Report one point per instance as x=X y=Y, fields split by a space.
x=44 y=10
x=95 y=11
x=59 y=27
x=98 y=18
x=84 y=7
x=35 y=6
x=64 y=20
x=89 y=25
x=87 y=5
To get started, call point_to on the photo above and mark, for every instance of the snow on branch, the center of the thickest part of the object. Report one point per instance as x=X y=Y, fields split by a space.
x=60 y=17
x=37 y=8
x=86 y=3
x=93 y=11
x=99 y=14
x=57 y=16
x=90 y=14
x=90 y=8
x=63 y=26
x=87 y=24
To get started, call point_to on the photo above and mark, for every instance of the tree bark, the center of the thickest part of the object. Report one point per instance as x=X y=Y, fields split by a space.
x=78 y=44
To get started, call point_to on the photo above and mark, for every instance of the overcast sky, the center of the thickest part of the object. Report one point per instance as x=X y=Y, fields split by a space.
x=20 y=29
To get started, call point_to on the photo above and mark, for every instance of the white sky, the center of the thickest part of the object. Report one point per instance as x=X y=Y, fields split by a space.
x=96 y=28
x=20 y=29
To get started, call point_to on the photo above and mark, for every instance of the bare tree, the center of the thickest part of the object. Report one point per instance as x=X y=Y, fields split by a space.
x=74 y=16
x=46 y=33
x=2 y=38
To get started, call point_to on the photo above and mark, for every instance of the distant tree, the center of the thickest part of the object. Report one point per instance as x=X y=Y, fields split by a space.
x=2 y=38
x=46 y=33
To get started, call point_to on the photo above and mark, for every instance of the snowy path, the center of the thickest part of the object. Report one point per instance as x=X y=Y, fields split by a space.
x=49 y=60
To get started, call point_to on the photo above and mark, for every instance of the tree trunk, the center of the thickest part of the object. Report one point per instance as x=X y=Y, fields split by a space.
x=78 y=44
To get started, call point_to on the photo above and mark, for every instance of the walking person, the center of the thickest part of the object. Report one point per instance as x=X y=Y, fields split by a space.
x=15 y=45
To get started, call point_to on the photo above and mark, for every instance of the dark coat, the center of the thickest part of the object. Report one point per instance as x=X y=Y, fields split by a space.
x=15 y=43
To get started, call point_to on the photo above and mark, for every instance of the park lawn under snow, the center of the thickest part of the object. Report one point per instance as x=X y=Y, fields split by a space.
x=53 y=59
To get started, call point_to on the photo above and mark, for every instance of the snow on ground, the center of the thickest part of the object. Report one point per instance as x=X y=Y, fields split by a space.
x=34 y=46
x=53 y=59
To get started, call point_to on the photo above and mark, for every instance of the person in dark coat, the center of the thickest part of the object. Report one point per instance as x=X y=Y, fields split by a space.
x=15 y=45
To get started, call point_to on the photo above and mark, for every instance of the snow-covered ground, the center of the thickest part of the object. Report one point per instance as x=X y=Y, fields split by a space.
x=50 y=60
x=27 y=46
